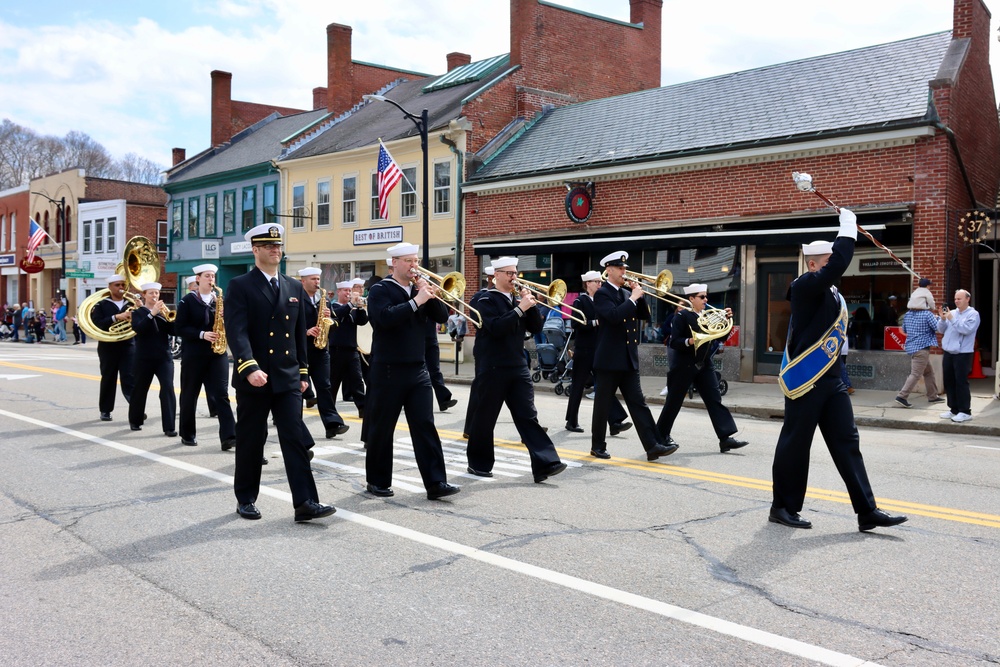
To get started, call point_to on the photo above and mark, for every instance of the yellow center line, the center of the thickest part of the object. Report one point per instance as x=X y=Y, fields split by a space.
x=917 y=509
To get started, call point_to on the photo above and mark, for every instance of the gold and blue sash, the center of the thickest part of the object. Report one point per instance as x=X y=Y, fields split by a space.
x=798 y=376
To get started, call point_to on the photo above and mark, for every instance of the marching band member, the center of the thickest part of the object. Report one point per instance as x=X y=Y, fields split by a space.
x=200 y=366
x=399 y=311
x=319 y=359
x=506 y=379
x=116 y=357
x=692 y=365
x=476 y=354
x=153 y=358
x=616 y=360
x=345 y=360
x=814 y=393
x=358 y=290
x=583 y=359
x=266 y=328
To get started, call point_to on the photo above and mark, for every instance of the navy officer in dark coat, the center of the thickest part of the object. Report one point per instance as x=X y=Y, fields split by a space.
x=116 y=357
x=815 y=395
x=266 y=328
x=616 y=361
x=153 y=358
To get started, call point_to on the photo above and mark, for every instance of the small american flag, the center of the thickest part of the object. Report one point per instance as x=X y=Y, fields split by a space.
x=35 y=237
x=388 y=176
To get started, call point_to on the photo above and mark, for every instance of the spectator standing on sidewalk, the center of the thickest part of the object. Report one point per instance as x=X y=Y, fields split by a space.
x=959 y=328
x=16 y=317
x=920 y=326
x=59 y=321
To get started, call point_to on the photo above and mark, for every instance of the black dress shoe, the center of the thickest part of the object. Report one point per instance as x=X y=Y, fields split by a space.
x=334 y=431
x=263 y=460
x=575 y=428
x=615 y=429
x=381 y=492
x=311 y=509
x=465 y=435
x=600 y=453
x=450 y=403
x=135 y=427
x=170 y=434
x=105 y=416
x=479 y=473
x=228 y=444
x=310 y=454
x=878 y=519
x=731 y=443
x=786 y=518
x=552 y=471
x=248 y=511
x=660 y=449
x=193 y=442
x=439 y=490
x=311 y=402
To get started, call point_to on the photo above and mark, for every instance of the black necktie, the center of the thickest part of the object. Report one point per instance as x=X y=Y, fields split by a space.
x=274 y=286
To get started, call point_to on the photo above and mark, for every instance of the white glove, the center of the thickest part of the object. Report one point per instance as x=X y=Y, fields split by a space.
x=848 y=224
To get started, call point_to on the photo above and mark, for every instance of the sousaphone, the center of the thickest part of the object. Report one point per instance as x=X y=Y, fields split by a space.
x=140 y=264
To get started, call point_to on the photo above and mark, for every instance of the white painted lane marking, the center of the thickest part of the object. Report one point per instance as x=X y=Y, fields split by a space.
x=11 y=376
x=996 y=449
x=666 y=610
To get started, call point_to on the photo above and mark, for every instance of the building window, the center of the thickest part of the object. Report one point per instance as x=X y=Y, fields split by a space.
x=99 y=235
x=13 y=231
x=112 y=229
x=442 y=187
x=350 y=198
x=249 y=210
x=229 y=212
x=673 y=256
x=194 y=213
x=323 y=204
x=177 y=224
x=210 y=201
x=68 y=213
x=87 y=235
x=270 y=201
x=46 y=224
x=162 y=233
x=375 y=212
x=408 y=193
x=298 y=206
x=3 y=232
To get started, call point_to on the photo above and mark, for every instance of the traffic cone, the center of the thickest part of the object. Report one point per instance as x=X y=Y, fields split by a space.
x=977 y=367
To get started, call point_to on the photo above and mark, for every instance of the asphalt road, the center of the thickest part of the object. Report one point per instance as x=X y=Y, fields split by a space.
x=121 y=548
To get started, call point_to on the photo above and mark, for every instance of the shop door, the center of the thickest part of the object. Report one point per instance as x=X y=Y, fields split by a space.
x=773 y=312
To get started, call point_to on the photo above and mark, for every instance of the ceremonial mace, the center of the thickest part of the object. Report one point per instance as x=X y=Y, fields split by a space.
x=804 y=182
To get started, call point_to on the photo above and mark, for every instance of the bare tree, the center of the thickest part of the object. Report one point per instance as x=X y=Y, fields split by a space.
x=17 y=165
x=137 y=169
x=83 y=152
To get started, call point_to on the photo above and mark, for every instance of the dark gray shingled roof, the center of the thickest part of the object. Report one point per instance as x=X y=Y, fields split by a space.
x=873 y=87
x=257 y=144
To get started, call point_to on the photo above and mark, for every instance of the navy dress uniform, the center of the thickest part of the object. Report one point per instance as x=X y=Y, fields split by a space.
x=691 y=365
x=398 y=378
x=319 y=362
x=345 y=360
x=153 y=358
x=266 y=329
x=616 y=360
x=815 y=395
x=200 y=366
x=116 y=358
x=506 y=379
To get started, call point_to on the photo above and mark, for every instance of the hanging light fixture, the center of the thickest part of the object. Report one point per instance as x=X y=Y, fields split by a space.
x=691 y=269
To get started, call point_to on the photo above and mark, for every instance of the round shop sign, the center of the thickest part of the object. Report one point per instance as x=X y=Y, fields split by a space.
x=579 y=204
x=35 y=266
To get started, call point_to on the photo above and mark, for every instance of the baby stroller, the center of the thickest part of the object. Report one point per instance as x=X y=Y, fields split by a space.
x=553 y=352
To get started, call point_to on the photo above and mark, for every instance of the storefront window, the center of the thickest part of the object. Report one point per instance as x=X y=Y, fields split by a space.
x=876 y=290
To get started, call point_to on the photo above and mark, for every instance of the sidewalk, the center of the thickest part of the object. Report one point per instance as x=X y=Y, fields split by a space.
x=871 y=408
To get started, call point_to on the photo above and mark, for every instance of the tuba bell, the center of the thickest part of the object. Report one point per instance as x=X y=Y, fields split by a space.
x=140 y=264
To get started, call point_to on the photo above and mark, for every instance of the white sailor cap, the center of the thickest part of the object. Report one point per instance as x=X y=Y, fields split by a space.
x=267 y=234
x=145 y=286
x=616 y=258
x=116 y=279
x=345 y=284
x=201 y=268
x=590 y=275
x=401 y=249
x=817 y=248
x=309 y=271
x=489 y=270
x=695 y=288
x=190 y=280
x=503 y=263
x=358 y=282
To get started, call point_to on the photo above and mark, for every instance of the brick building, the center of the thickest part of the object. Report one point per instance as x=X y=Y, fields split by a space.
x=14 y=214
x=696 y=178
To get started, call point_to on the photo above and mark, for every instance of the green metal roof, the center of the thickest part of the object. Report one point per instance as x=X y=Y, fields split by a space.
x=468 y=73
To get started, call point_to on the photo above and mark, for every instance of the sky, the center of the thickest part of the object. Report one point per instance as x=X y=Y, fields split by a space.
x=134 y=74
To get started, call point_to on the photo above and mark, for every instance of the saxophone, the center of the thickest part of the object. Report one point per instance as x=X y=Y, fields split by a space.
x=219 y=327
x=324 y=323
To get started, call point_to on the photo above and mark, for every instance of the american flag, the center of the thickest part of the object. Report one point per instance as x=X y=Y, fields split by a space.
x=388 y=176
x=35 y=237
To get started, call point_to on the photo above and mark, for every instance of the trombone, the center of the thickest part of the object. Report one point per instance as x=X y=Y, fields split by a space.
x=451 y=286
x=554 y=294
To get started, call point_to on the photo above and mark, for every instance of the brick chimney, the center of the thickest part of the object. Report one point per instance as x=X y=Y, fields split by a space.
x=222 y=107
x=319 y=98
x=179 y=155
x=456 y=59
x=522 y=15
x=650 y=14
x=966 y=15
x=339 y=73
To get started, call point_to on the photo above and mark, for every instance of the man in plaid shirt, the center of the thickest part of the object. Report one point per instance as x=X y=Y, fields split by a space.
x=920 y=327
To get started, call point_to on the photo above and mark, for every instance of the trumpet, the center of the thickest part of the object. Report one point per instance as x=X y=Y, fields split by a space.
x=553 y=295
x=450 y=287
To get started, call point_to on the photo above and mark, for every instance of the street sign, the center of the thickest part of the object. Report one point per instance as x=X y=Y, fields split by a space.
x=79 y=274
